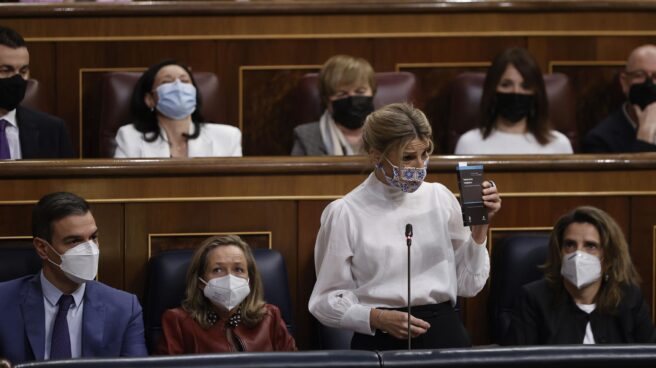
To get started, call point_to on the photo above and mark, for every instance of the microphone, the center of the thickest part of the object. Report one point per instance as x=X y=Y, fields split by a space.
x=408 y=234
x=408 y=239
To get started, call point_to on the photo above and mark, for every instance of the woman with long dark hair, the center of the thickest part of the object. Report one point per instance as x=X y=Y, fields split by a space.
x=590 y=292
x=167 y=122
x=514 y=111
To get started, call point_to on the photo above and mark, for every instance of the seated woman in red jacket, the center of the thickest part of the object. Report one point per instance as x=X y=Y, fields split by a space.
x=224 y=308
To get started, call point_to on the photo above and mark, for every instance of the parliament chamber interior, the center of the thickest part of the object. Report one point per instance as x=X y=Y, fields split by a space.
x=256 y=65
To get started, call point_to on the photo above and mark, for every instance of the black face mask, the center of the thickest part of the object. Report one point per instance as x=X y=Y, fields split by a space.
x=514 y=106
x=12 y=91
x=351 y=111
x=642 y=94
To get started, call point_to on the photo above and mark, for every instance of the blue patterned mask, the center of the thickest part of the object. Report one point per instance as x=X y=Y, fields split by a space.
x=408 y=179
x=176 y=100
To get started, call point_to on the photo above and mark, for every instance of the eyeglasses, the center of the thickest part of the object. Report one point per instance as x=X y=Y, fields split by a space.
x=640 y=75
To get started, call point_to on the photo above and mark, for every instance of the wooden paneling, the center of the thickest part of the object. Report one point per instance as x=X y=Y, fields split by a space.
x=267 y=104
x=642 y=243
x=111 y=241
x=144 y=219
x=15 y=221
x=296 y=19
x=90 y=100
x=309 y=214
x=221 y=179
x=164 y=242
x=16 y=243
x=530 y=212
x=45 y=73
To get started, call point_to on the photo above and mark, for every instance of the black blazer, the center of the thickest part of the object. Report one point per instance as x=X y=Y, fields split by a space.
x=42 y=135
x=544 y=316
x=615 y=134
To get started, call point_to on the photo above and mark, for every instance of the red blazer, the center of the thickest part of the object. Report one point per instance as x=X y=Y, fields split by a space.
x=181 y=334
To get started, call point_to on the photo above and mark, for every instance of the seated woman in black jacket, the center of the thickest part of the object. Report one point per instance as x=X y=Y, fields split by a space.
x=590 y=292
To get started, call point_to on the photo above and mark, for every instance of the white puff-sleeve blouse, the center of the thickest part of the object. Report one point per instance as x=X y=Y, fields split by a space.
x=361 y=254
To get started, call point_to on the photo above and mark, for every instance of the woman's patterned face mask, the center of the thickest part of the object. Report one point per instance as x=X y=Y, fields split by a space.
x=408 y=179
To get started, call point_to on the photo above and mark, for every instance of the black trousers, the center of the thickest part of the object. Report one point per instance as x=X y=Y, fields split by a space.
x=446 y=331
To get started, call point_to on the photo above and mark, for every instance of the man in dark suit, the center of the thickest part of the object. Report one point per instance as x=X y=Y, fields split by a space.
x=61 y=312
x=631 y=128
x=25 y=133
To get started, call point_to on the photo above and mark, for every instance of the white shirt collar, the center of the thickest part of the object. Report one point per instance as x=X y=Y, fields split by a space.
x=10 y=117
x=384 y=191
x=52 y=294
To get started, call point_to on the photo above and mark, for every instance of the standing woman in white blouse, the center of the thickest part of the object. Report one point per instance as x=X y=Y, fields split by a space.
x=360 y=253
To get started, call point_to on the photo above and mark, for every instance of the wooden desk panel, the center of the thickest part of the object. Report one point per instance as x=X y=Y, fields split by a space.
x=282 y=199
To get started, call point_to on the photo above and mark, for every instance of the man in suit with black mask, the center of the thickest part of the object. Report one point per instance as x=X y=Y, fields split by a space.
x=631 y=128
x=25 y=133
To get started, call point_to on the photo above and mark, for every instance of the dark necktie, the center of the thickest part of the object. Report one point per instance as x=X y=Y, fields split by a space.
x=4 y=143
x=60 y=344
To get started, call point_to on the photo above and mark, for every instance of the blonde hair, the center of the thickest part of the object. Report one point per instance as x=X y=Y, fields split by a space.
x=395 y=126
x=617 y=267
x=195 y=302
x=342 y=70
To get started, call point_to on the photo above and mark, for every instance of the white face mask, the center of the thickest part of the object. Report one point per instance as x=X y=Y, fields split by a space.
x=80 y=263
x=226 y=291
x=581 y=268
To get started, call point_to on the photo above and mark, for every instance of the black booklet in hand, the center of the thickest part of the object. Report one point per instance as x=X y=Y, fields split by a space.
x=470 y=181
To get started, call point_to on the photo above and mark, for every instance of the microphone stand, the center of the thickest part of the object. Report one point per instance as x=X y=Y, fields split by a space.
x=408 y=235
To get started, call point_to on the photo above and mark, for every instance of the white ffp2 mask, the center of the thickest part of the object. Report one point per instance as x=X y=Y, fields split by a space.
x=226 y=291
x=581 y=268
x=80 y=263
